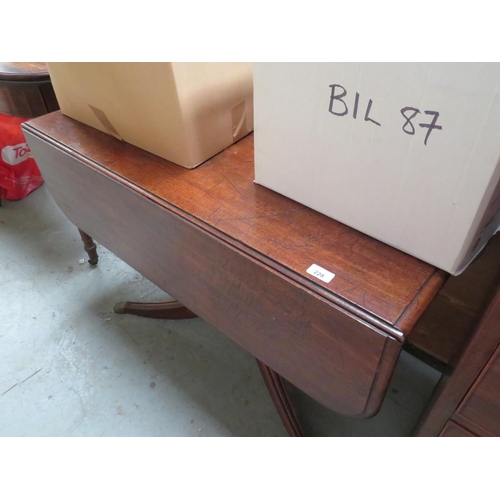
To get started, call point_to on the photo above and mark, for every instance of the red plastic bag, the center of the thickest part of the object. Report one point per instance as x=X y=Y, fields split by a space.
x=19 y=174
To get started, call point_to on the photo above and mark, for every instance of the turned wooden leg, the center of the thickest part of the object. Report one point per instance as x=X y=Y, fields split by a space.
x=157 y=310
x=90 y=247
x=281 y=400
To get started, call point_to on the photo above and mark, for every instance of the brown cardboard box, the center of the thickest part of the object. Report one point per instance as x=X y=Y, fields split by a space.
x=405 y=152
x=183 y=112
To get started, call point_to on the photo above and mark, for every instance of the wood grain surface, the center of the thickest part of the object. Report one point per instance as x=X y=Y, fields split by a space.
x=481 y=406
x=26 y=90
x=236 y=254
x=24 y=72
x=221 y=196
x=454 y=430
x=449 y=322
x=470 y=378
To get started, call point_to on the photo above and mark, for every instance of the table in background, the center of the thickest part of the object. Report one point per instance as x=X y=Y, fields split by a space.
x=26 y=90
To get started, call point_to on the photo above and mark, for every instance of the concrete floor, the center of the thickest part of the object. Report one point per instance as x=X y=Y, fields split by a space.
x=71 y=367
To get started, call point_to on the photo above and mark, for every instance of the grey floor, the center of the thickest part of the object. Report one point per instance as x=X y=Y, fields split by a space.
x=71 y=367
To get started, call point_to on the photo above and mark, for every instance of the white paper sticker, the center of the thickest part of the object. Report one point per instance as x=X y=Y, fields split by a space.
x=321 y=273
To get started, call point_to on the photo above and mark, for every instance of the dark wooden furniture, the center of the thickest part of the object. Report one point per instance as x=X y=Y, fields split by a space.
x=25 y=90
x=450 y=320
x=467 y=400
x=236 y=254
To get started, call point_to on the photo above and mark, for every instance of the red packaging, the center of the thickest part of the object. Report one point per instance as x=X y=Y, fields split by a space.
x=19 y=174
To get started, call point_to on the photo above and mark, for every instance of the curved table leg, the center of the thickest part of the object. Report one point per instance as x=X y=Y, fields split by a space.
x=279 y=395
x=274 y=382
x=157 y=310
x=90 y=247
x=175 y=310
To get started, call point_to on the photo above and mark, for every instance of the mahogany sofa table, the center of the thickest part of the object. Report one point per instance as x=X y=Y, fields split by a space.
x=236 y=254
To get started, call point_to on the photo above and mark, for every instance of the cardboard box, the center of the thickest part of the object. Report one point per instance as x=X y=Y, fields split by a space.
x=184 y=112
x=407 y=153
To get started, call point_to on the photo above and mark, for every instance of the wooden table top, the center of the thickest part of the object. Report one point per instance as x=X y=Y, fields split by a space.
x=26 y=90
x=372 y=280
x=23 y=71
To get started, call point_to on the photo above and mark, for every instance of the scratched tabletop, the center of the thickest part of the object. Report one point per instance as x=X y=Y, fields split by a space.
x=220 y=195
